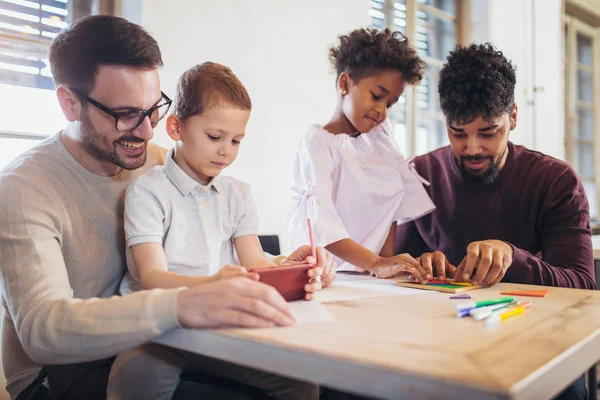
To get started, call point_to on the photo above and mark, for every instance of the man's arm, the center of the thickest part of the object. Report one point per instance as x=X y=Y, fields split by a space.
x=566 y=240
x=56 y=328
x=52 y=326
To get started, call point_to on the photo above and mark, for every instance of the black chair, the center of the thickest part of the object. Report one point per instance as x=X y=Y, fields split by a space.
x=270 y=244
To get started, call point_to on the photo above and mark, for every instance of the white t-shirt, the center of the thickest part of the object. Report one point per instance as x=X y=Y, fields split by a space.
x=353 y=188
x=195 y=224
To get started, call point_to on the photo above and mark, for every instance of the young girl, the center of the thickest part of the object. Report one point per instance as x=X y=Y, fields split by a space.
x=348 y=177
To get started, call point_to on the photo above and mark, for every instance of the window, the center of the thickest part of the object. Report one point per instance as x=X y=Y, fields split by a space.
x=432 y=27
x=26 y=31
x=582 y=106
x=28 y=103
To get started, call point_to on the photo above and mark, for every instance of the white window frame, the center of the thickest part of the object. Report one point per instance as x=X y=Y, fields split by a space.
x=574 y=27
x=413 y=115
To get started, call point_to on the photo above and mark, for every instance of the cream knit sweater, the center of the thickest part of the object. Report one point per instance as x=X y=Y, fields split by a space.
x=62 y=257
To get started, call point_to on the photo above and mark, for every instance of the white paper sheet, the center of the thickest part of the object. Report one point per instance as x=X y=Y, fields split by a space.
x=310 y=312
x=352 y=287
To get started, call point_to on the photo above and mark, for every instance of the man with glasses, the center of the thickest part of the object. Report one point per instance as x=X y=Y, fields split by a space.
x=61 y=227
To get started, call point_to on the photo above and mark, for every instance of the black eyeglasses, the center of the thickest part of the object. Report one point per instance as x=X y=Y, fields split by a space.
x=126 y=121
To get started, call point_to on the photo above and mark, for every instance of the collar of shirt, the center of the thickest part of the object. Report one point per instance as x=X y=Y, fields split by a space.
x=183 y=182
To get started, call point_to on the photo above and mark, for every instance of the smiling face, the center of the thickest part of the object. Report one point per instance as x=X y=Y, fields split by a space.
x=480 y=147
x=209 y=142
x=121 y=89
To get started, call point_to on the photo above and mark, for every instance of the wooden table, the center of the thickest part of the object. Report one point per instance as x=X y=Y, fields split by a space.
x=414 y=347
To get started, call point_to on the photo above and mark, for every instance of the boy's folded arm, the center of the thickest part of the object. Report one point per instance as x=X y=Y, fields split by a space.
x=250 y=252
x=153 y=273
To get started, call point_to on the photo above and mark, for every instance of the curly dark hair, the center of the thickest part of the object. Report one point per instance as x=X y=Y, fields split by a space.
x=366 y=52
x=476 y=81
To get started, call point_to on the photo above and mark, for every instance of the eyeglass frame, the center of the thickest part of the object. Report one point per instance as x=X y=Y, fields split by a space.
x=116 y=114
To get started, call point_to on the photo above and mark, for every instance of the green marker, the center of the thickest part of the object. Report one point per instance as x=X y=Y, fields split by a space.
x=483 y=303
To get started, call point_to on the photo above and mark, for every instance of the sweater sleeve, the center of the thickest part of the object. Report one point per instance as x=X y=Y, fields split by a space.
x=567 y=258
x=52 y=325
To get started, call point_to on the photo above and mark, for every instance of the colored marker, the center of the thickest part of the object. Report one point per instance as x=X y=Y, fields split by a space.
x=498 y=317
x=483 y=303
x=481 y=313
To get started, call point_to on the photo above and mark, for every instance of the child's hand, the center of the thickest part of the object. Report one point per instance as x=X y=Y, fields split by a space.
x=396 y=265
x=231 y=271
x=324 y=261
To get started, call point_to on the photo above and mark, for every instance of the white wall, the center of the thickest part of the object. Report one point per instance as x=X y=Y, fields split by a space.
x=279 y=51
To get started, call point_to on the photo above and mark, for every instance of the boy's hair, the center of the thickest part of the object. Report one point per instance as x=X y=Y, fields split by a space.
x=366 y=52
x=476 y=81
x=208 y=85
x=78 y=51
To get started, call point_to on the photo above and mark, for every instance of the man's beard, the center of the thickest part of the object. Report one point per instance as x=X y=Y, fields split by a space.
x=488 y=176
x=100 y=147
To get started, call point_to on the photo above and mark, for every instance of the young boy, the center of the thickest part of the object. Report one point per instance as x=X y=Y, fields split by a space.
x=182 y=224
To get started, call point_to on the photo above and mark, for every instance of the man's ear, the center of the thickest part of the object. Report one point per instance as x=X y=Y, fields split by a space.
x=513 y=117
x=69 y=103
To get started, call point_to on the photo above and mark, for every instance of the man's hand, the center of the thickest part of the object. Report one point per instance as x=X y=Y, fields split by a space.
x=436 y=265
x=234 y=302
x=491 y=259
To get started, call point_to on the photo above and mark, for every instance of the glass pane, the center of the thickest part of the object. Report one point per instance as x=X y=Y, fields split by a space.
x=584 y=86
x=399 y=22
x=585 y=127
x=431 y=135
x=377 y=14
x=435 y=37
x=30 y=26
x=398 y=111
x=377 y=22
x=397 y=116
x=11 y=148
x=422 y=140
x=584 y=160
x=590 y=192
x=441 y=138
x=400 y=138
x=427 y=93
x=584 y=50
x=445 y=5
x=18 y=103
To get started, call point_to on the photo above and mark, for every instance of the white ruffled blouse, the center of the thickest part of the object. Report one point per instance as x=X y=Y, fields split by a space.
x=353 y=188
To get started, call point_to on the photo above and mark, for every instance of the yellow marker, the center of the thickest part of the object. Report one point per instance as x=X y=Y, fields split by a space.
x=511 y=312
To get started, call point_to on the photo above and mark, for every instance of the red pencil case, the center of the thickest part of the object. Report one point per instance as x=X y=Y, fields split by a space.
x=289 y=280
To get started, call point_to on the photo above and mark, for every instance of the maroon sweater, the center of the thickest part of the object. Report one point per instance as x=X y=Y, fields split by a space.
x=537 y=204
